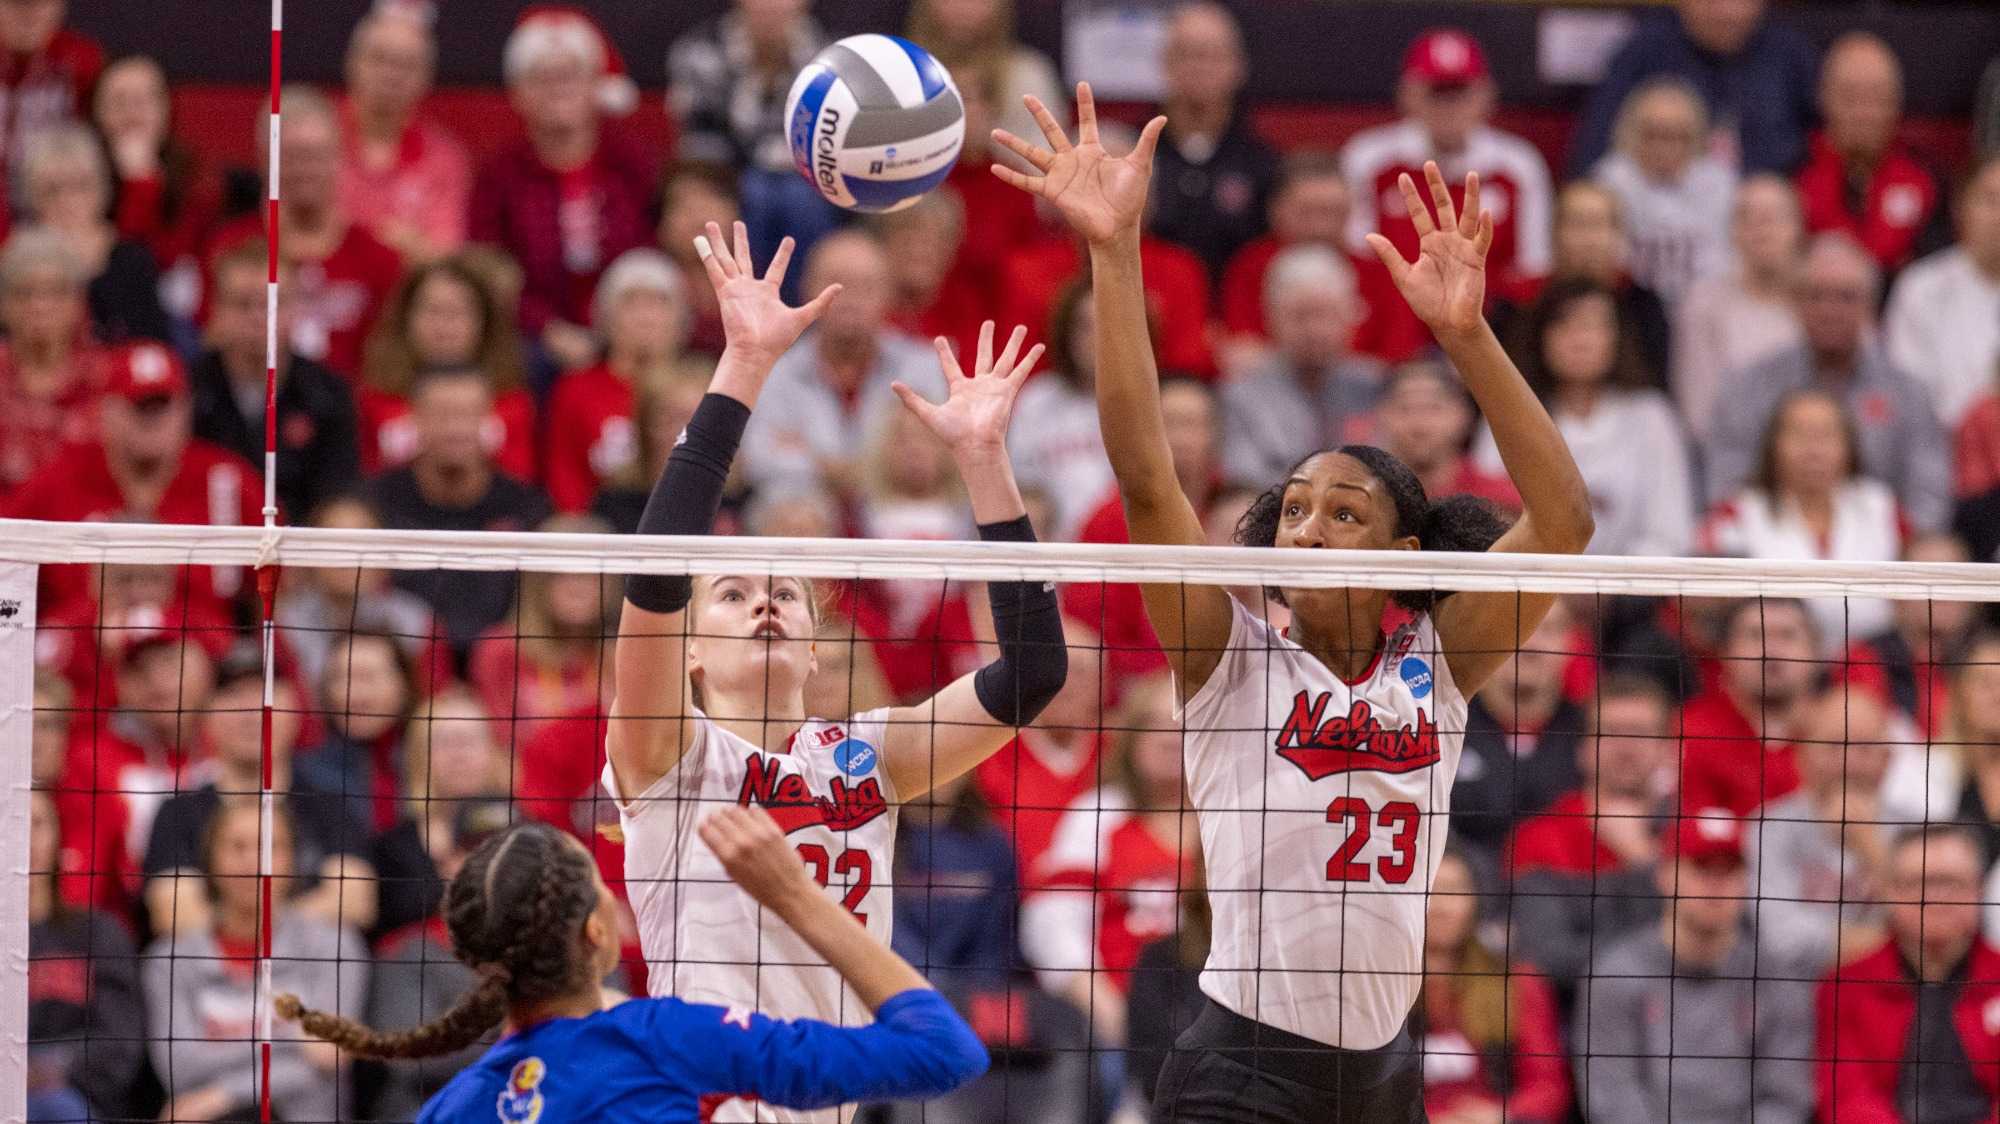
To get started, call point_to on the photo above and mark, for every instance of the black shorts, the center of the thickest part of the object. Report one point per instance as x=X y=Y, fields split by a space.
x=1226 y=1069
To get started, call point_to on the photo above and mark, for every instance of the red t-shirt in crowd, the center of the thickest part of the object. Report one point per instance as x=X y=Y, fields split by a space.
x=1865 y=667
x=211 y=486
x=528 y=695
x=336 y=298
x=1563 y=839
x=1468 y=480
x=1387 y=329
x=1114 y=609
x=33 y=431
x=1030 y=788
x=999 y=219
x=956 y=312
x=1896 y=204
x=592 y=435
x=1725 y=763
x=1033 y=276
x=424 y=189
x=389 y=435
x=1135 y=878
x=143 y=214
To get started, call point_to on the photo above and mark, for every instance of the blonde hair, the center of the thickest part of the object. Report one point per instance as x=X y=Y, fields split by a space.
x=1625 y=133
x=686 y=375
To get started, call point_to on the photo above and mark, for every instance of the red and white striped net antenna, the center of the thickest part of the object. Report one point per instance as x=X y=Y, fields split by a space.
x=267 y=581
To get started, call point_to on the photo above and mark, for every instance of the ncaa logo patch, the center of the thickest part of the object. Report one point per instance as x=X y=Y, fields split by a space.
x=854 y=757
x=521 y=1099
x=1416 y=675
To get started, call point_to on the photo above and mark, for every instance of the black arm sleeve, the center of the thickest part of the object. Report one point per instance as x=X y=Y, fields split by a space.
x=1034 y=660
x=689 y=493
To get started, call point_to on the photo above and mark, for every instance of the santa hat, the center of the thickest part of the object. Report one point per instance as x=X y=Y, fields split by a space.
x=547 y=29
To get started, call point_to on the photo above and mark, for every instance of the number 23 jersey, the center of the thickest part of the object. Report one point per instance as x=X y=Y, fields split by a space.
x=1323 y=807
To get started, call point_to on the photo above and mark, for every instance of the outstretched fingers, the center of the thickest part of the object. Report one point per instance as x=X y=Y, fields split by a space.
x=744 y=264
x=1468 y=222
x=780 y=262
x=1086 y=114
x=1027 y=364
x=1030 y=184
x=1037 y=156
x=1447 y=211
x=947 y=360
x=1004 y=365
x=923 y=408
x=1052 y=130
x=983 y=361
x=1420 y=212
x=714 y=253
x=812 y=309
x=1149 y=142
x=1391 y=260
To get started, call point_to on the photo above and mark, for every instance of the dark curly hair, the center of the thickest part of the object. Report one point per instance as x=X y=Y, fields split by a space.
x=1465 y=524
x=515 y=912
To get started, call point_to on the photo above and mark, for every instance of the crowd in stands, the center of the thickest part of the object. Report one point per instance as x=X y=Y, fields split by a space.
x=1688 y=833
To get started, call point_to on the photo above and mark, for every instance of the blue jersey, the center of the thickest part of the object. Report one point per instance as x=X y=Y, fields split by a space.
x=654 y=1060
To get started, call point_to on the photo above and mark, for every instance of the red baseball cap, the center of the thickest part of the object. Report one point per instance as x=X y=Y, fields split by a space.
x=1445 y=56
x=146 y=372
x=1712 y=835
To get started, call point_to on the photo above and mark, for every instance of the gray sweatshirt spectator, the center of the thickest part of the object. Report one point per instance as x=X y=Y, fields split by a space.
x=828 y=393
x=1674 y=195
x=1902 y=442
x=1310 y=392
x=201 y=1012
x=1687 y=1020
x=1816 y=855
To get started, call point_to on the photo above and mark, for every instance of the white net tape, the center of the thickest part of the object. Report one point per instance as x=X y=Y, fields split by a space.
x=129 y=544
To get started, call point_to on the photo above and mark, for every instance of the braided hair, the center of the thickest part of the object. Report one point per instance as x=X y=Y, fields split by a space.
x=1465 y=524
x=515 y=912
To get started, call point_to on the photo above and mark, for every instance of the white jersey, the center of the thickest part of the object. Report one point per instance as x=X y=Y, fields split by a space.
x=707 y=941
x=1323 y=809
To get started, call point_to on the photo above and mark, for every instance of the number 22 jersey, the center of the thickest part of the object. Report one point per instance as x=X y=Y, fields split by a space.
x=705 y=940
x=1323 y=806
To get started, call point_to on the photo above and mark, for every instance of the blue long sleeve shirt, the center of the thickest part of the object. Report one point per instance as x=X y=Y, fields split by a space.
x=1765 y=92
x=653 y=1060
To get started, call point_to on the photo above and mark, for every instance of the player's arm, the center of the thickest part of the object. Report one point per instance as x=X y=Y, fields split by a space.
x=1446 y=288
x=650 y=723
x=968 y=721
x=917 y=1047
x=1104 y=201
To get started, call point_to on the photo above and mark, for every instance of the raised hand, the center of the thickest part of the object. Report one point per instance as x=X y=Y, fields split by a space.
x=972 y=422
x=1446 y=285
x=1099 y=195
x=757 y=324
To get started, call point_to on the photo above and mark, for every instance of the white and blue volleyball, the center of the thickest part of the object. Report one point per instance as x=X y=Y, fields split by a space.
x=874 y=122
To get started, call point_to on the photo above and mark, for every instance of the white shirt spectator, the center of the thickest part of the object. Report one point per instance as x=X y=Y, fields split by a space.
x=1058 y=449
x=801 y=421
x=1721 y=327
x=1943 y=327
x=1867 y=527
x=1635 y=464
x=1678 y=232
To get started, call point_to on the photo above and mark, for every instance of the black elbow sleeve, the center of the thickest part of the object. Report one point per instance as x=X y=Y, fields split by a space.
x=1027 y=623
x=688 y=495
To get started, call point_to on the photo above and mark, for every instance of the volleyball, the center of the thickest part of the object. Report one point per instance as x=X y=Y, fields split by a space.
x=874 y=122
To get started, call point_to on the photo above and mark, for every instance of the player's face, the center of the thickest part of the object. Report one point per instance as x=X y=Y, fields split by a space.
x=753 y=637
x=1934 y=896
x=1333 y=502
x=1812 y=453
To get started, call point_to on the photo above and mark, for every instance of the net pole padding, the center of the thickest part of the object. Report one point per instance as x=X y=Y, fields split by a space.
x=267 y=579
x=314 y=547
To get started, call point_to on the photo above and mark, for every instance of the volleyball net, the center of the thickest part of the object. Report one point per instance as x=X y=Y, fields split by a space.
x=1695 y=791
